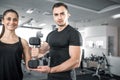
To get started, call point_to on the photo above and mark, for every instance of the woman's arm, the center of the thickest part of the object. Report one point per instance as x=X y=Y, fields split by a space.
x=26 y=52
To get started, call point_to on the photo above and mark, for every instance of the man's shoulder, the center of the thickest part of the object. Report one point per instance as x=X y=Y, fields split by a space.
x=71 y=28
x=52 y=32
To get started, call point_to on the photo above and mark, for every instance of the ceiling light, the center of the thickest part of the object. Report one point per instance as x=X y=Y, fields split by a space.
x=47 y=13
x=43 y=24
x=116 y=16
x=29 y=11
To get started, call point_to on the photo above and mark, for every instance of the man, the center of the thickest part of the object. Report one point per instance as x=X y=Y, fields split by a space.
x=63 y=45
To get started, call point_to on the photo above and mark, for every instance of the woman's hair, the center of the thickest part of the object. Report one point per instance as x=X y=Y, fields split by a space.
x=5 y=12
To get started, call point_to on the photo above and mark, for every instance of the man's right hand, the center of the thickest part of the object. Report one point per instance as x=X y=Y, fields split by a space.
x=35 y=52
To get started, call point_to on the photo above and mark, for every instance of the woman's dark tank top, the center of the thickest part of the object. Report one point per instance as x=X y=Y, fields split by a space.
x=10 y=61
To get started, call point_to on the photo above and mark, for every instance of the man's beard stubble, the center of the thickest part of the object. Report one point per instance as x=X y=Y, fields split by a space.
x=62 y=25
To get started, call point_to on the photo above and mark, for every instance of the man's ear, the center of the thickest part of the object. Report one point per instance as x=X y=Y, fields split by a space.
x=69 y=14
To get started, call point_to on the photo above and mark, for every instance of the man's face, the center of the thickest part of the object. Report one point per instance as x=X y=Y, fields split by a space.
x=60 y=15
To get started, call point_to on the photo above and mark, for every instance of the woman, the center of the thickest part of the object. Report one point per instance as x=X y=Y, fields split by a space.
x=12 y=48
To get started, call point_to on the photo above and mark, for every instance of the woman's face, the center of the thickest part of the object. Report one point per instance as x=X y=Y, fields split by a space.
x=10 y=21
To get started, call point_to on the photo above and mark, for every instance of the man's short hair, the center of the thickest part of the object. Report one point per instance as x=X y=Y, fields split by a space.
x=59 y=4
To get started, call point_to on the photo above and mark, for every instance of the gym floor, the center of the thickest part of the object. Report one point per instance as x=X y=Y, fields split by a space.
x=81 y=75
x=88 y=75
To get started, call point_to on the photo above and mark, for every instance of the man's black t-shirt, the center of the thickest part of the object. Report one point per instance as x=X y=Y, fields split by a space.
x=59 y=47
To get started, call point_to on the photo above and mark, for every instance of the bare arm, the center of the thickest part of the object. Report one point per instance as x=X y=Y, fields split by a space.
x=26 y=52
x=72 y=62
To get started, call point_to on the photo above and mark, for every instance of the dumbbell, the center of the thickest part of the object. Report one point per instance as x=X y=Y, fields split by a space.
x=34 y=62
x=35 y=42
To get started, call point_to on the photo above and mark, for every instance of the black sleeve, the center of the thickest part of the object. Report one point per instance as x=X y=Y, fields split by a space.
x=81 y=40
x=47 y=39
x=75 y=38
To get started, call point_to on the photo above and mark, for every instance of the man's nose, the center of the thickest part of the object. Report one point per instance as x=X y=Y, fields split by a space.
x=59 y=17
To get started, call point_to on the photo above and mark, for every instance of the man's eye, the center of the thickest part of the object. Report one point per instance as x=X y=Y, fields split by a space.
x=15 y=19
x=62 y=13
x=8 y=19
x=55 y=14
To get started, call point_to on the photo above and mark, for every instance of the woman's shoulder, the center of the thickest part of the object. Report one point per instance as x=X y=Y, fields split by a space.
x=23 y=41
